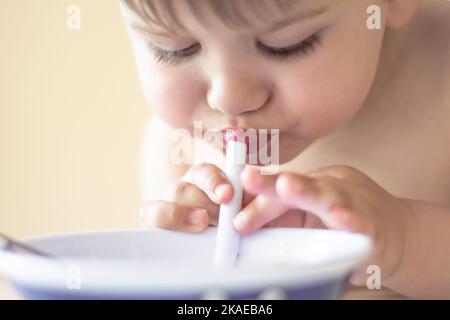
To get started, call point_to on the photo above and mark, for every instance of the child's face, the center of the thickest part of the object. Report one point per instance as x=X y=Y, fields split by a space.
x=236 y=77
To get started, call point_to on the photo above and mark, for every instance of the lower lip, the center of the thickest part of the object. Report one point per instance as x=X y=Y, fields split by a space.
x=233 y=134
x=238 y=134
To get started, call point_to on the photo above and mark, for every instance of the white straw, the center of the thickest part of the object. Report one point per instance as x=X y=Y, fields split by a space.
x=227 y=241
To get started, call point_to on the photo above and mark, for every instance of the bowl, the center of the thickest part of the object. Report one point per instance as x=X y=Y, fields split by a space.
x=274 y=263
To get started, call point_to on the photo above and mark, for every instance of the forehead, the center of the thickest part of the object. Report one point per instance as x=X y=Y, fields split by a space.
x=178 y=16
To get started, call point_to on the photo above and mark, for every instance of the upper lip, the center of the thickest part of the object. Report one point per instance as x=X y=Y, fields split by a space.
x=237 y=128
x=223 y=131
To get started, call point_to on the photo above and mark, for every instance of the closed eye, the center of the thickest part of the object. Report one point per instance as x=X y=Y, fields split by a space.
x=178 y=56
x=302 y=47
x=174 y=56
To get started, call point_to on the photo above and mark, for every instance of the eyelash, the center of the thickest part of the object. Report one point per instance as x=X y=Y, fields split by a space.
x=176 y=57
x=173 y=57
x=306 y=46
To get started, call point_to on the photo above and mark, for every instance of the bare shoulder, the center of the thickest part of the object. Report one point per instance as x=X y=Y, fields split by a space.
x=432 y=26
x=435 y=12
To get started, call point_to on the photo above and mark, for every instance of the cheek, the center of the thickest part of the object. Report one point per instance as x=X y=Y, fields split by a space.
x=172 y=93
x=329 y=87
x=171 y=97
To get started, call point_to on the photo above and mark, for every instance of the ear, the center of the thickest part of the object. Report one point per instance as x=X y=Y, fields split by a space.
x=401 y=12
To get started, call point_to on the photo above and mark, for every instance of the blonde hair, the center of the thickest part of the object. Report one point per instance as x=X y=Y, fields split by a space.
x=232 y=13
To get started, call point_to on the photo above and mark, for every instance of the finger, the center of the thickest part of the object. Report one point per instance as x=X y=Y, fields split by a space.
x=312 y=195
x=188 y=194
x=339 y=172
x=211 y=180
x=168 y=215
x=247 y=198
x=256 y=183
x=293 y=218
x=259 y=212
x=347 y=219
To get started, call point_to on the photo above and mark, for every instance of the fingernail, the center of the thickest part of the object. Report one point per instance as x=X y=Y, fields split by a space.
x=198 y=217
x=240 y=222
x=221 y=190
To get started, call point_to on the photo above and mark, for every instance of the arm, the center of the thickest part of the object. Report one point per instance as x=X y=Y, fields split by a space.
x=158 y=172
x=424 y=269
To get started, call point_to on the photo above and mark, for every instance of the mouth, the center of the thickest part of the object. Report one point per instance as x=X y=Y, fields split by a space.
x=258 y=141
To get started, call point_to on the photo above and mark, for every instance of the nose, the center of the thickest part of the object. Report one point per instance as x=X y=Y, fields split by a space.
x=234 y=93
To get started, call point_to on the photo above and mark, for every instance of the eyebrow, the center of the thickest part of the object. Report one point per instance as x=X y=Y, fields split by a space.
x=307 y=14
x=147 y=29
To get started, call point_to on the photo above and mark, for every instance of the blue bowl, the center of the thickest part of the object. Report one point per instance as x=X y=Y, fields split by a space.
x=274 y=263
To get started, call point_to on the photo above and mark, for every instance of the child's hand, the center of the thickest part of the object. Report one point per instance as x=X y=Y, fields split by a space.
x=193 y=203
x=343 y=197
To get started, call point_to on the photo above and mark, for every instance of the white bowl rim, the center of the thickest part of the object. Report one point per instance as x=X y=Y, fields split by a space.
x=134 y=283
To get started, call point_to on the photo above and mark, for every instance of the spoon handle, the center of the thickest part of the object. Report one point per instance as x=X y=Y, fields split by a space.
x=8 y=244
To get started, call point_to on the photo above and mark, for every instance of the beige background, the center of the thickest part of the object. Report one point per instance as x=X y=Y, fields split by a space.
x=72 y=118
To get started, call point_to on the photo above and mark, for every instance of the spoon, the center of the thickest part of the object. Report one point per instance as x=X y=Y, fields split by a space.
x=8 y=244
